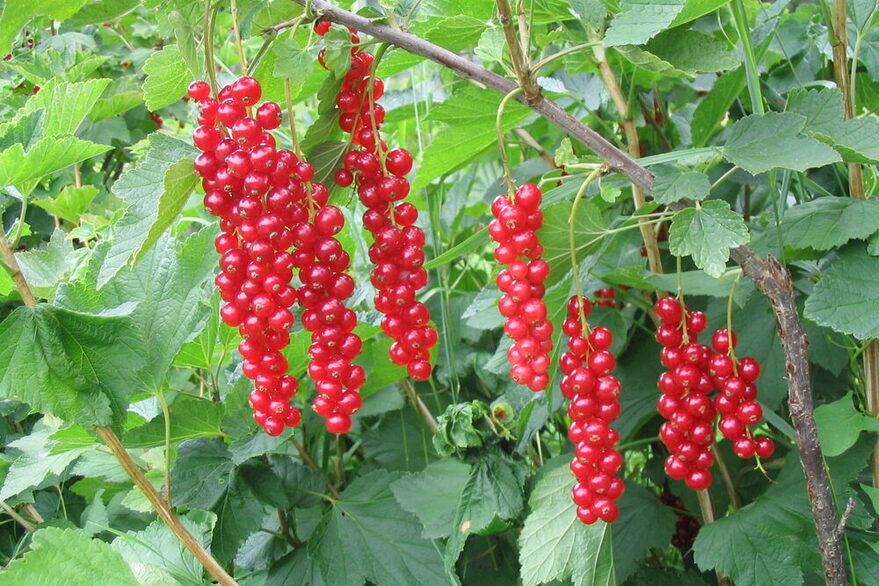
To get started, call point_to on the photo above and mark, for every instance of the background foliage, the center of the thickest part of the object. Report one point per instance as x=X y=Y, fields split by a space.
x=99 y=199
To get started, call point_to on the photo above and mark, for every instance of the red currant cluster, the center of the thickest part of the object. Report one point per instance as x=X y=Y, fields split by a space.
x=242 y=175
x=594 y=394
x=686 y=386
x=606 y=297
x=398 y=245
x=514 y=228
x=325 y=286
x=737 y=400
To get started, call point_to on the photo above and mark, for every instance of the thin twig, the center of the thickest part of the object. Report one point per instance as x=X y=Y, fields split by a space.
x=309 y=461
x=529 y=140
x=517 y=51
x=18 y=518
x=166 y=513
x=843 y=520
x=419 y=404
x=616 y=160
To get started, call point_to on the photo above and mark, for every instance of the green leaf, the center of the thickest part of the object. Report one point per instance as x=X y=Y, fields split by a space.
x=492 y=492
x=840 y=425
x=71 y=203
x=25 y=130
x=191 y=418
x=166 y=78
x=381 y=541
x=16 y=14
x=491 y=46
x=590 y=12
x=68 y=556
x=857 y=140
x=644 y=523
x=47 y=155
x=433 y=494
x=712 y=110
x=337 y=55
x=589 y=227
x=239 y=514
x=707 y=233
x=760 y=142
x=115 y=105
x=45 y=268
x=66 y=104
x=693 y=9
x=6 y=283
x=554 y=544
x=672 y=184
x=67 y=363
x=829 y=222
x=692 y=52
x=291 y=59
x=34 y=462
x=295 y=568
x=640 y=20
x=455 y=33
x=844 y=298
x=157 y=547
x=470 y=115
x=155 y=191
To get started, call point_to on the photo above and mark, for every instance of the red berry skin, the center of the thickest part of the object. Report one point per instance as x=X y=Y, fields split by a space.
x=749 y=369
x=765 y=447
x=268 y=115
x=398 y=162
x=669 y=310
x=698 y=480
x=338 y=423
x=199 y=90
x=246 y=91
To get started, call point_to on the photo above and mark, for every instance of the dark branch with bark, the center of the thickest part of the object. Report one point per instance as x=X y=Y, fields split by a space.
x=771 y=278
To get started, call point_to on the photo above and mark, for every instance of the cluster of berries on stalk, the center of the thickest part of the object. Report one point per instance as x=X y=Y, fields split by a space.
x=267 y=204
x=398 y=244
x=685 y=402
x=593 y=392
x=514 y=228
x=736 y=401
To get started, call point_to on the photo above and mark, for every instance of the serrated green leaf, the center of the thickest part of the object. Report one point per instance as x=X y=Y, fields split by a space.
x=47 y=155
x=693 y=9
x=157 y=547
x=16 y=14
x=857 y=139
x=191 y=418
x=493 y=492
x=829 y=222
x=34 y=461
x=291 y=59
x=707 y=233
x=115 y=105
x=554 y=544
x=6 y=283
x=455 y=33
x=47 y=267
x=554 y=235
x=433 y=494
x=96 y=13
x=239 y=514
x=692 y=52
x=201 y=473
x=66 y=104
x=67 y=556
x=672 y=184
x=640 y=20
x=844 y=298
x=168 y=286
x=295 y=567
x=840 y=425
x=381 y=541
x=25 y=130
x=470 y=115
x=166 y=78
x=71 y=203
x=491 y=47
x=66 y=363
x=337 y=54
x=644 y=523
x=155 y=191
x=649 y=62
x=760 y=142
x=590 y=12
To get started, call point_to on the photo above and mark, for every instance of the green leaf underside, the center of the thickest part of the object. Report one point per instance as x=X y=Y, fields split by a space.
x=672 y=184
x=640 y=20
x=857 y=140
x=829 y=222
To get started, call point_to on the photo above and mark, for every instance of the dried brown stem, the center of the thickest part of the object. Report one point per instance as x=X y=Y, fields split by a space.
x=165 y=512
x=419 y=404
x=18 y=518
x=517 y=51
x=871 y=390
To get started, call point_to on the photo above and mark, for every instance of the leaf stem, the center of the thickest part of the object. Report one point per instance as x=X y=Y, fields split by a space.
x=572 y=246
x=17 y=276
x=508 y=174
x=237 y=31
x=166 y=416
x=419 y=405
x=210 y=19
x=166 y=513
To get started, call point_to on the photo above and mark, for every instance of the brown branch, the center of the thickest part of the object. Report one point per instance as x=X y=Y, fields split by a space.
x=18 y=518
x=843 y=520
x=517 y=56
x=616 y=159
x=17 y=276
x=871 y=389
x=165 y=512
x=774 y=281
x=771 y=278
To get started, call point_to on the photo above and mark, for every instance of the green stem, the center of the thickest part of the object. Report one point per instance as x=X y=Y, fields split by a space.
x=751 y=71
x=508 y=174
x=572 y=242
x=166 y=416
x=210 y=19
